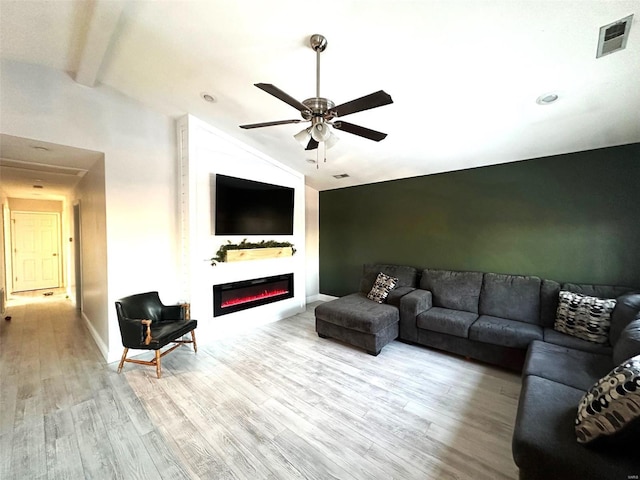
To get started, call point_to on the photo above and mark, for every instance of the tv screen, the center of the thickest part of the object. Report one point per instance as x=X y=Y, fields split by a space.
x=246 y=207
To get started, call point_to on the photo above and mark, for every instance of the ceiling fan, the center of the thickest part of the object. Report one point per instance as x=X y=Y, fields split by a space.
x=322 y=112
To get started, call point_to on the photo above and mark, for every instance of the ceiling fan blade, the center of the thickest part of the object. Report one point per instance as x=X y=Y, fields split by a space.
x=312 y=145
x=360 y=131
x=270 y=124
x=285 y=97
x=373 y=100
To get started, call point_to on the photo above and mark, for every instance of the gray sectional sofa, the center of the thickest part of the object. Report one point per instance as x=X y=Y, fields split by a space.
x=507 y=320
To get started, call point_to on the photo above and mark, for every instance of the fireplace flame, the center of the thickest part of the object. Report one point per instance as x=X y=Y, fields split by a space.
x=252 y=298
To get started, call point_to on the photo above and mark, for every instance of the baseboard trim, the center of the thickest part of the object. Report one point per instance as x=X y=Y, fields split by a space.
x=96 y=338
x=325 y=298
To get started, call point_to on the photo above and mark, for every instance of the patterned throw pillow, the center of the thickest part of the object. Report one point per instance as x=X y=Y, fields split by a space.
x=381 y=287
x=588 y=318
x=611 y=404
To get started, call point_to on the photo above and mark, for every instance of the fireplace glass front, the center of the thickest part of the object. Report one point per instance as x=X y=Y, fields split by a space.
x=236 y=296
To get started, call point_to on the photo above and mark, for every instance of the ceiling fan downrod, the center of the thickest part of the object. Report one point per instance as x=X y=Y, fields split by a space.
x=318 y=44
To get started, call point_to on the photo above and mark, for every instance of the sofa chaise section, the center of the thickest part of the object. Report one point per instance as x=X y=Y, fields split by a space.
x=361 y=322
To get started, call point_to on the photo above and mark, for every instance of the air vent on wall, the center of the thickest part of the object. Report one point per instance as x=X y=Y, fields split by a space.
x=613 y=37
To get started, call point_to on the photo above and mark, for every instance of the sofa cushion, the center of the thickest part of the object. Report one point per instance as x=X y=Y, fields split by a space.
x=381 y=288
x=612 y=404
x=564 y=340
x=505 y=332
x=357 y=312
x=163 y=333
x=514 y=297
x=583 y=316
x=571 y=367
x=600 y=291
x=627 y=307
x=549 y=290
x=455 y=290
x=628 y=344
x=544 y=440
x=407 y=276
x=445 y=320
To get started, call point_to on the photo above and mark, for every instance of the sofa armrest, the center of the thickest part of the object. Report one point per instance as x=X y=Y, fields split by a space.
x=411 y=305
x=396 y=294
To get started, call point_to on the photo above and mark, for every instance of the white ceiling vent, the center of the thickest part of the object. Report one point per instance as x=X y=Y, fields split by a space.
x=613 y=37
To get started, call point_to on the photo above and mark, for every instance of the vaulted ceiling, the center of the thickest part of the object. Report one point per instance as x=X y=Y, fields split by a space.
x=464 y=75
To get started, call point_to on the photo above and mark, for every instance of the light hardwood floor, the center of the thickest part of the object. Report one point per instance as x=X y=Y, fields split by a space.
x=277 y=403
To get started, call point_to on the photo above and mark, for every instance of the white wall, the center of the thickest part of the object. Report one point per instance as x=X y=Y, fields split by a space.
x=206 y=152
x=139 y=177
x=312 y=240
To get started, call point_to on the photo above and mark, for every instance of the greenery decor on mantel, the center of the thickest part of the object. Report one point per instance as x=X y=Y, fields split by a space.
x=221 y=254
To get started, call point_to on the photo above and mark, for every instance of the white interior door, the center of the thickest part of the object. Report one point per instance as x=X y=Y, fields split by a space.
x=36 y=250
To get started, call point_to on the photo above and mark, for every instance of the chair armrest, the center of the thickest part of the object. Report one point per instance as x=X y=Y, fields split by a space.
x=172 y=313
x=411 y=305
x=147 y=338
x=134 y=332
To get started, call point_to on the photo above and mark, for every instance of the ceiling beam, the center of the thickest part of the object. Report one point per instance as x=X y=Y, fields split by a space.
x=101 y=31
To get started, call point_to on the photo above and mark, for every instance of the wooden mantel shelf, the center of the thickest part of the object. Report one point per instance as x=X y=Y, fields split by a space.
x=258 y=253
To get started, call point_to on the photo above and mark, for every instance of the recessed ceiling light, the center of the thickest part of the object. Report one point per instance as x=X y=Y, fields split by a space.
x=207 y=97
x=38 y=186
x=547 y=98
x=310 y=160
x=38 y=147
x=341 y=175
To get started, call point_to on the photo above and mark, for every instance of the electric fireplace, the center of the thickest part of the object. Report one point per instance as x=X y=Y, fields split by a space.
x=236 y=296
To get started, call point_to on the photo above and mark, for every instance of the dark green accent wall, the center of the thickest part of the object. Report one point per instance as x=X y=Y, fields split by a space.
x=573 y=217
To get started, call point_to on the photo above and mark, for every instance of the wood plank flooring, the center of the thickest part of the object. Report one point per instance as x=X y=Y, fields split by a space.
x=277 y=403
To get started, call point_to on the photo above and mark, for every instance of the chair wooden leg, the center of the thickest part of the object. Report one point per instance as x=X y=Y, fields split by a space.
x=193 y=337
x=124 y=356
x=158 y=367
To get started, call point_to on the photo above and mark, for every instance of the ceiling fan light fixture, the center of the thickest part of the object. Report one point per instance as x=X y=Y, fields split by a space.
x=303 y=136
x=320 y=131
x=331 y=141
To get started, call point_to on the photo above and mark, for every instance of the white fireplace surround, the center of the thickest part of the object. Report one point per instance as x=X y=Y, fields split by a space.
x=203 y=150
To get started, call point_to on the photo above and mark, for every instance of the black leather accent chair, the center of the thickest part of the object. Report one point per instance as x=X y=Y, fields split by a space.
x=147 y=324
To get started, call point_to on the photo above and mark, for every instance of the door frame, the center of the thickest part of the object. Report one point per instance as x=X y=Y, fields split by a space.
x=77 y=253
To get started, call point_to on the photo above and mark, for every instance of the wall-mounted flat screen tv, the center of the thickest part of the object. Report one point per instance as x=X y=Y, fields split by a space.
x=246 y=207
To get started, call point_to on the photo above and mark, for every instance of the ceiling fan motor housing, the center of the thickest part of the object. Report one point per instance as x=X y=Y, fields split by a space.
x=320 y=107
